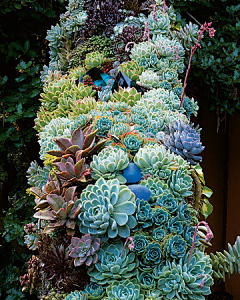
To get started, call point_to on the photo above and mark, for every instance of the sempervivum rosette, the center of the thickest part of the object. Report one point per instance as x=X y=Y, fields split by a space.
x=185 y=141
x=107 y=209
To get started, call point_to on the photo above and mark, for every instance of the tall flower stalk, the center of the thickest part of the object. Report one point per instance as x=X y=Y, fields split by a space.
x=204 y=27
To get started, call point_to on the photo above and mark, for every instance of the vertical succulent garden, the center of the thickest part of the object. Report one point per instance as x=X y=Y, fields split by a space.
x=119 y=199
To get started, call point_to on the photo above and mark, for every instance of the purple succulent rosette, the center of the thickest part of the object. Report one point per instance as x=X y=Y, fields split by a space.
x=84 y=250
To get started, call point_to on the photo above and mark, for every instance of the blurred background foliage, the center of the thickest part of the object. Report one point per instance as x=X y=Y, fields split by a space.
x=23 y=52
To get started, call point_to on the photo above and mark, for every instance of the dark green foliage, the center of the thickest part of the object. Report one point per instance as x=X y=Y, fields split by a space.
x=218 y=62
x=96 y=43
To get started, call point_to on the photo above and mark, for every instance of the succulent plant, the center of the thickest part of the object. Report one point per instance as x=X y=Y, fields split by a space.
x=160 y=216
x=170 y=75
x=189 y=280
x=124 y=290
x=60 y=127
x=119 y=129
x=81 y=121
x=158 y=234
x=174 y=247
x=175 y=225
x=157 y=187
x=37 y=176
x=63 y=211
x=141 y=240
x=113 y=266
x=190 y=106
x=84 y=250
x=153 y=253
x=94 y=291
x=109 y=164
x=146 y=280
x=94 y=60
x=103 y=124
x=127 y=95
x=121 y=118
x=81 y=106
x=168 y=201
x=107 y=209
x=76 y=73
x=180 y=183
x=132 y=141
x=141 y=50
x=155 y=160
x=132 y=69
x=76 y=295
x=159 y=23
x=164 y=84
x=149 y=79
x=185 y=141
x=31 y=236
x=188 y=35
x=143 y=214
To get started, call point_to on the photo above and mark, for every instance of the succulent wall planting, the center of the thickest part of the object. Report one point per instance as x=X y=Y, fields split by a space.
x=119 y=198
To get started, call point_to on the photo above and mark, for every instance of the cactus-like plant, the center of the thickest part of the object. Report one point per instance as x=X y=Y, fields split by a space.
x=84 y=250
x=112 y=265
x=63 y=211
x=109 y=164
x=127 y=95
x=107 y=209
x=94 y=60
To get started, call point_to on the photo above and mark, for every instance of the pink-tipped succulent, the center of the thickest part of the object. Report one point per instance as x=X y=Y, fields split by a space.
x=84 y=250
x=62 y=211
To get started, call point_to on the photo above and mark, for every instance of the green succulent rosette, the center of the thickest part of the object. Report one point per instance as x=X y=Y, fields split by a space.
x=107 y=209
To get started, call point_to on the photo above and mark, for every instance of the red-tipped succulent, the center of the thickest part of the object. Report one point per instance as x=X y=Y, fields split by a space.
x=63 y=211
x=84 y=250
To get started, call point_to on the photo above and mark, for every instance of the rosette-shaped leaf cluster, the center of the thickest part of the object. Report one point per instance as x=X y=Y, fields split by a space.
x=132 y=69
x=226 y=263
x=185 y=141
x=31 y=236
x=153 y=253
x=132 y=141
x=94 y=60
x=174 y=247
x=149 y=79
x=59 y=127
x=76 y=73
x=156 y=186
x=168 y=201
x=109 y=163
x=124 y=290
x=143 y=214
x=187 y=280
x=190 y=106
x=62 y=211
x=127 y=95
x=180 y=183
x=156 y=160
x=119 y=129
x=141 y=240
x=159 y=23
x=84 y=250
x=146 y=280
x=37 y=176
x=82 y=106
x=107 y=209
x=140 y=51
x=94 y=291
x=112 y=265
x=158 y=234
x=77 y=295
x=103 y=124
x=169 y=75
x=160 y=216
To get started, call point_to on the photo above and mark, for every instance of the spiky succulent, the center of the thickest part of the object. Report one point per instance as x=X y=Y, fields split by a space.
x=132 y=69
x=109 y=164
x=187 y=279
x=84 y=250
x=112 y=265
x=63 y=212
x=124 y=290
x=127 y=95
x=94 y=60
x=185 y=141
x=156 y=160
x=107 y=209
x=94 y=291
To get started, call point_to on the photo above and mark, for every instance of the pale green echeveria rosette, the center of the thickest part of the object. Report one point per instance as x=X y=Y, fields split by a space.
x=124 y=290
x=156 y=160
x=107 y=209
x=187 y=280
x=112 y=265
x=109 y=164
